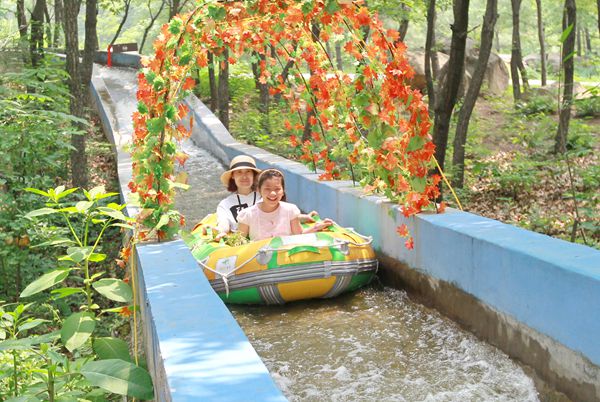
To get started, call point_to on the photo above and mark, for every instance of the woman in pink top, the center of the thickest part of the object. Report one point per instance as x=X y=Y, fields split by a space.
x=273 y=216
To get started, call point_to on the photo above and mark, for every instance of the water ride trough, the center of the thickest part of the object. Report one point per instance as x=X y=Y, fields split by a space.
x=534 y=297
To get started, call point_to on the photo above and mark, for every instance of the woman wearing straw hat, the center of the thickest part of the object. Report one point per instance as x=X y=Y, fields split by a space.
x=240 y=179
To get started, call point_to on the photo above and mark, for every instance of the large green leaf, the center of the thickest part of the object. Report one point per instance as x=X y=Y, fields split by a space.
x=45 y=281
x=120 y=377
x=27 y=343
x=77 y=329
x=111 y=348
x=114 y=289
x=40 y=212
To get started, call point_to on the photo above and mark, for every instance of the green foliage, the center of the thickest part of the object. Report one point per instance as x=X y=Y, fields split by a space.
x=36 y=133
x=71 y=363
x=536 y=105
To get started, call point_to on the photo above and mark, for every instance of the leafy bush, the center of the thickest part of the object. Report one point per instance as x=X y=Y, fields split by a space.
x=536 y=105
x=36 y=133
x=588 y=106
x=73 y=362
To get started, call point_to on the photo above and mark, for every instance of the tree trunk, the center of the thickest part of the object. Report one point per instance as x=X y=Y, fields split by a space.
x=127 y=3
x=462 y=127
x=588 y=41
x=579 y=52
x=403 y=25
x=48 y=25
x=174 y=7
x=515 y=57
x=568 y=64
x=263 y=92
x=497 y=35
x=58 y=22
x=212 y=82
x=76 y=105
x=338 y=55
x=445 y=104
x=153 y=18
x=36 y=40
x=90 y=45
x=316 y=31
x=540 y=24
x=23 y=36
x=224 y=89
x=429 y=38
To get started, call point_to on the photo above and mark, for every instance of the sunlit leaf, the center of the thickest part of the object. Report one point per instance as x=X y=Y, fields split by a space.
x=45 y=281
x=77 y=329
x=114 y=289
x=120 y=377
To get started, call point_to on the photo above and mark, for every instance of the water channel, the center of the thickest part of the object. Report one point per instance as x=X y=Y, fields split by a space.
x=372 y=345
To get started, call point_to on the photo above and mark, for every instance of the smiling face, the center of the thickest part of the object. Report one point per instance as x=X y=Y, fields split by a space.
x=244 y=179
x=271 y=192
x=271 y=187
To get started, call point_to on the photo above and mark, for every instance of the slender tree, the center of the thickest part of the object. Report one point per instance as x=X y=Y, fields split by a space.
x=540 y=26
x=598 y=7
x=578 y=42
x=58 y=23
x=153 y=18
x=448 y=95
x=429 y=43
x=338 y=55
x=80 y=74
x=48 y=24
x=126 y=4
x=516 y=59
x=568 y=65
x=90 y=45
x=212 y=82
x=588 y=41
x=224 y=89
x=76 y=104
x=36 y=40
x=403 y=24
x=464 y=116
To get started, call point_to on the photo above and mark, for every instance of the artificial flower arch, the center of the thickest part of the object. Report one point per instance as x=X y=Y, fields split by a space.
x=370 y=122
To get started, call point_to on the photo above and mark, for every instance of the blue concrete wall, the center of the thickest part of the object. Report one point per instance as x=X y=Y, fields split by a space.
x=204 y=353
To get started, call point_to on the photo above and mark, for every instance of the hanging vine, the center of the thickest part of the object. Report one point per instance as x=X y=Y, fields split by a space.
x=369 y=123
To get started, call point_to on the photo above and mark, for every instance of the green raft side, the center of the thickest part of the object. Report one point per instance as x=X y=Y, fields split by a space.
x=242 y=296
x=359 y=280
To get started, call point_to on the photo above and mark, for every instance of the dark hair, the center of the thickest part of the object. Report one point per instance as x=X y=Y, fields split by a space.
x=232 y=187
x=269 y=174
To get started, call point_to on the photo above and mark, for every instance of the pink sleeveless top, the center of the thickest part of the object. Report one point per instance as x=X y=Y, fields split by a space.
x=269 y=224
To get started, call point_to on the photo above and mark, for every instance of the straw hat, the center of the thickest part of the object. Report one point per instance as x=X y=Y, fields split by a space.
x=238 y=163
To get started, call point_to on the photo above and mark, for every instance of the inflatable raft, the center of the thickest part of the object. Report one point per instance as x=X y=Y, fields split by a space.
x=286 y=268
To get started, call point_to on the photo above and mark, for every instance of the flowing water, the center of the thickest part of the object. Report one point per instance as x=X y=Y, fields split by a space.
x=378 y=345
x=372 y=345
